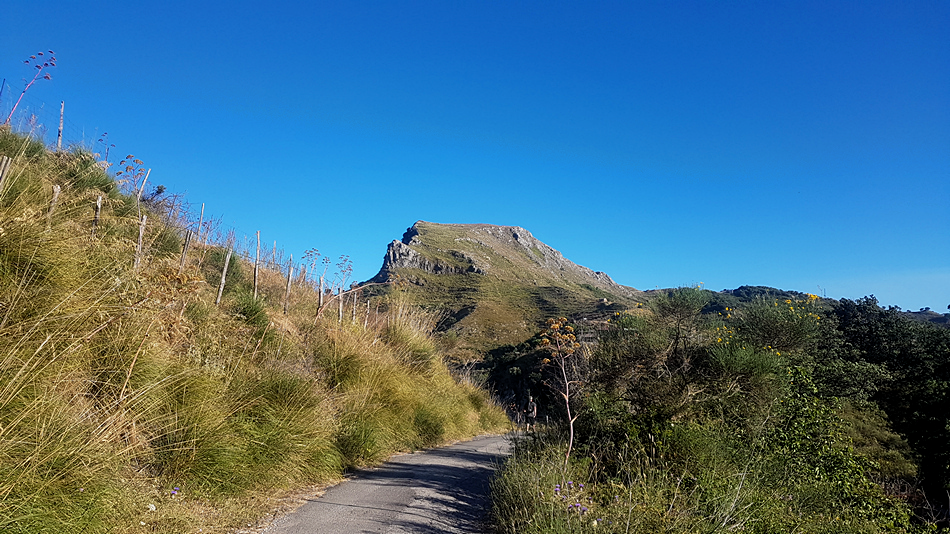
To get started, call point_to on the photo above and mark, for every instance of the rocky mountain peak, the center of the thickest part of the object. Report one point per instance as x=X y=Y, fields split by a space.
x=508 y=252
x=496 y=284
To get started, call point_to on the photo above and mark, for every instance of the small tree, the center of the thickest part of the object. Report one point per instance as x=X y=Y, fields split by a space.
x=40 y=63
x=560 y=340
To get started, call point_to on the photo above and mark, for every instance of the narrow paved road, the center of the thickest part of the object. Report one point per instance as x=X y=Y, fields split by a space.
x=436 y=491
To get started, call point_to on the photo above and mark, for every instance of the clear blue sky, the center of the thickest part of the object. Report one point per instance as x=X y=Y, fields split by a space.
x=800 y=145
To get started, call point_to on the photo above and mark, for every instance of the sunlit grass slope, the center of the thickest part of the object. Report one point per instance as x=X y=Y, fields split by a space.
x=130 y=402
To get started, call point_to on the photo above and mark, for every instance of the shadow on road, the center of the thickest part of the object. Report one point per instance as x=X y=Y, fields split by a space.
x=436 y=491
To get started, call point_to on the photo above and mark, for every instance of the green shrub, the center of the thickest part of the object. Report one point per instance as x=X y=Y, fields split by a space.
x=782 y=326
x=166 y=242
x=214 y=264
x=429 y=425
x=250 y=309
x=190 y=441
x=750 y=364
x=12 y=144
x=360 y=439
x=284 y=422
x=81 y=171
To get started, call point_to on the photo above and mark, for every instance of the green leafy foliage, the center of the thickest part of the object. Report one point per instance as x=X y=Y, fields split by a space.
x=904 y=368
x=692 y=425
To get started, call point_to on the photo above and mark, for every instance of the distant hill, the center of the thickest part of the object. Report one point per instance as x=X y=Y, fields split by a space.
x=926 y=315
x=494 y=285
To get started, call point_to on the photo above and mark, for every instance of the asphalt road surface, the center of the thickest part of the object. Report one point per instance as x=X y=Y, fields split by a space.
x=436 y=491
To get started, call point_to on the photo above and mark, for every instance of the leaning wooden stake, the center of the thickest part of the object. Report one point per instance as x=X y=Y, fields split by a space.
x=290 y=278
x=353 y=312
x=52 y=205
x=200 y=220
x=95 y=218
x=4 y=167
x=257 y=263
x=142 y=188
x=184 y=251
x=138 y=249
x=138 y=198
x=224 y=274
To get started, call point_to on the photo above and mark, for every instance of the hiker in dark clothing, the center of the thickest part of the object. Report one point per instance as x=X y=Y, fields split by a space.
x=531 y=414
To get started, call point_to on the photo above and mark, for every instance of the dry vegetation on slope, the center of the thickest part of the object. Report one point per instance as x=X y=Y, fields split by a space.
x=130 y=402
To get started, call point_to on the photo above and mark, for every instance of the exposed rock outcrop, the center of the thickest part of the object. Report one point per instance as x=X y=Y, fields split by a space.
x=508 y=252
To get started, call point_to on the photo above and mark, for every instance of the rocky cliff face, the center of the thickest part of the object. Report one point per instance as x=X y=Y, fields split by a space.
x=497 y=284
x=509 y=252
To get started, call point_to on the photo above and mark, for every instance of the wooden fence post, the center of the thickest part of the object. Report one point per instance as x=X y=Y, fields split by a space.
x=142 y=188
x=340 y=298
x=290 y=278
x=138 y=249
x=52 y=205
x=224 y=274
x=366 y=319
x=4 y=167
x=184 y=250
x=320 y=296
x=59 y=133
x=95 y=218
x=353 y=311
x=257 y=263
x=200 y=220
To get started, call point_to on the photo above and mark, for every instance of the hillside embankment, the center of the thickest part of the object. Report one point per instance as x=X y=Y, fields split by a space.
x=139 y=393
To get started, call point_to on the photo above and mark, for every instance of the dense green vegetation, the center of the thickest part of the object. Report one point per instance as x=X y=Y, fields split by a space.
x=789 y=414
x=130 y=402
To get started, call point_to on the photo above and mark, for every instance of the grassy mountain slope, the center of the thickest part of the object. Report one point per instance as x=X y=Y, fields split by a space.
x=495 y=285
x=131 y=402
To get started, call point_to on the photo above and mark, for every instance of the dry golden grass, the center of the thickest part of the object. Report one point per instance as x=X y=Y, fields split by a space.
x=130 y=402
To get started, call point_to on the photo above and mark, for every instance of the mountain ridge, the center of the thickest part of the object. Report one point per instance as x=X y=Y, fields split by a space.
x=496 y=284
x=401 y=254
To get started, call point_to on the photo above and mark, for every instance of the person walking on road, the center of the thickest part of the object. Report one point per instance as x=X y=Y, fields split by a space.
x=531 y=414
